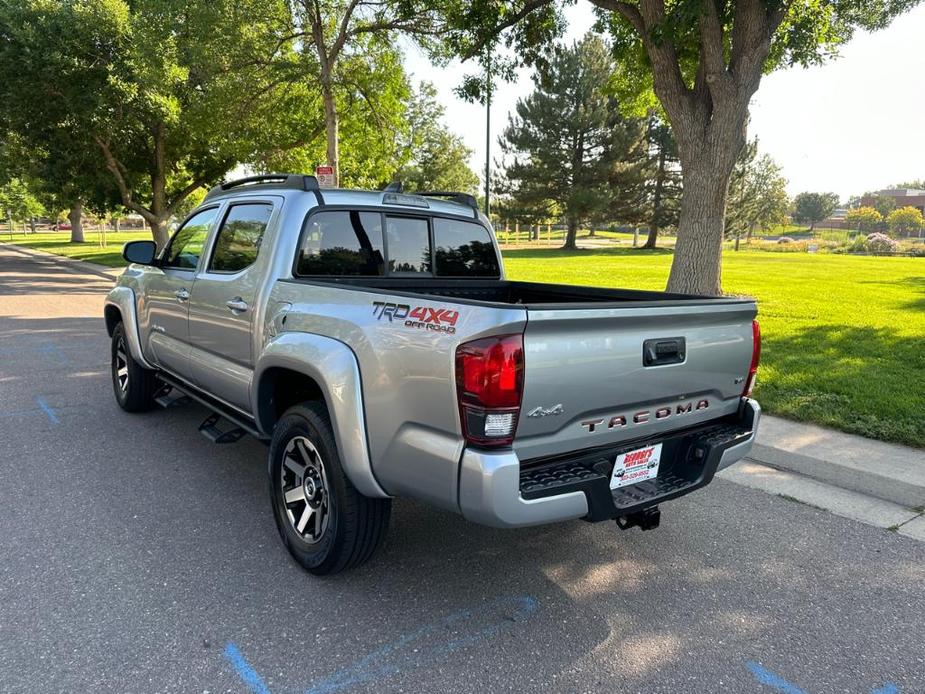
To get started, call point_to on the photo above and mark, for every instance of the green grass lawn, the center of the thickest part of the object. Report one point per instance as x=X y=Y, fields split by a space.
x=58 y=242
x=843 y=336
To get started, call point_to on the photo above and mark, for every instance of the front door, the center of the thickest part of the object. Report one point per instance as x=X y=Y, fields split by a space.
x=222 y=304
x=165 y=310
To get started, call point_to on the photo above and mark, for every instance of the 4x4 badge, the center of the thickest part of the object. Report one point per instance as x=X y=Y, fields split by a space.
x=546 y=411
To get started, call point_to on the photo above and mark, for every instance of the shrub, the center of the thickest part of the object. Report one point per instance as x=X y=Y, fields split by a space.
x=905 y=220
x=864 y=218
x=880 y=243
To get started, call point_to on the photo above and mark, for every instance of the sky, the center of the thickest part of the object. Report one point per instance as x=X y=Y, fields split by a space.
x=853 y=125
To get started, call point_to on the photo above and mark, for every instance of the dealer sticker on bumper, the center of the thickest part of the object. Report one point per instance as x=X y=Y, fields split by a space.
x=636 y=466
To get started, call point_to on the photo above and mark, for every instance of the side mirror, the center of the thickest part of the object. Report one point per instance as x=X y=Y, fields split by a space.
x=141 y=252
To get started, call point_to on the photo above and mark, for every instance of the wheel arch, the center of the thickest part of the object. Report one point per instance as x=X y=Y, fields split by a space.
x=120 y=306
x=295 y=367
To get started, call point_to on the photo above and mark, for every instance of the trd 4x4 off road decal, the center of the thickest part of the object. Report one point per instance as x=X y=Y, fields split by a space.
x=421 y=317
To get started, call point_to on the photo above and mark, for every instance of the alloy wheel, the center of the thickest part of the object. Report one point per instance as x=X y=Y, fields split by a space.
x=305 y=489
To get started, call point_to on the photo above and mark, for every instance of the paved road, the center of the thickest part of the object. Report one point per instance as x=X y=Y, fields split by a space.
x=138 y=557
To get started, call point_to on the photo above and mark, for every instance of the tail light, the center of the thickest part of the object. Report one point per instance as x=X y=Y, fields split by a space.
x=756 y=357
x=489 y=387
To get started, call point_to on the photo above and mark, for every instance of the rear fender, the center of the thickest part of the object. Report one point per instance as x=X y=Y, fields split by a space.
x=333 y=366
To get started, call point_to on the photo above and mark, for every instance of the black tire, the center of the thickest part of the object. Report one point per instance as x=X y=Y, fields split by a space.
x=136 y=392
x=352 y=526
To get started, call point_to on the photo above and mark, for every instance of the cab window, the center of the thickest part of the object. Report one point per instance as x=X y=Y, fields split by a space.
x=463 y=249
x=186 y=246
x=342 y=243
x=409 y=246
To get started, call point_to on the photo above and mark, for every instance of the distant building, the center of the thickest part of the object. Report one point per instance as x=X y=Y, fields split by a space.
x=904 y=197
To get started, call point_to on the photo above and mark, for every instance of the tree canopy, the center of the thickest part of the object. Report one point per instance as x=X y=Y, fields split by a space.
x=812 y=208
x=703 y=61
x=167 y=92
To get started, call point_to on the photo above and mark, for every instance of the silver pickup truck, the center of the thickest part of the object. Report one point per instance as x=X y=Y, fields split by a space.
x=372 y=340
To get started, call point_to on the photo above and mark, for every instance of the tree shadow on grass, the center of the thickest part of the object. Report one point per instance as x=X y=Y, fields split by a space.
x=865 y=381
x=914 y=283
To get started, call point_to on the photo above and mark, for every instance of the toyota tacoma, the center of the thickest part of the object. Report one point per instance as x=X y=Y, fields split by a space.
x=372 y=340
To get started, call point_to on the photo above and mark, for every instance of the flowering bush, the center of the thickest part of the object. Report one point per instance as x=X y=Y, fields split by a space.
x=881 y=243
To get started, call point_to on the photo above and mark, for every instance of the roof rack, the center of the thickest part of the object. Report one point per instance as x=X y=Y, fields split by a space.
x=274 y=180
x=464 y=198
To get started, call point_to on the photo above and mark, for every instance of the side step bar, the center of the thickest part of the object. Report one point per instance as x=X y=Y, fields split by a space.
x=168 y=397
x=210 y=429
x=241 y=424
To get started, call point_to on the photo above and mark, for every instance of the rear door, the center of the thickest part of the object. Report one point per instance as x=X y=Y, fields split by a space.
x=164 y=307
x=224 y=300
x=598 y=376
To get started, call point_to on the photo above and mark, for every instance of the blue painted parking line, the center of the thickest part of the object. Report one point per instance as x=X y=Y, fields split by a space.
x=778 y=683
x=46 y=408
x=468 y=625
x=247 y=674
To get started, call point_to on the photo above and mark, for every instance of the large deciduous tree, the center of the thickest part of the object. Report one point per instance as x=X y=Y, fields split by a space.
x=704 y=59
x=169 y=92
x=341 y=43
x=434 y=158
x=567 y=144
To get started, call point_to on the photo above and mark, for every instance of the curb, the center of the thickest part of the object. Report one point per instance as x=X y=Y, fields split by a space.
x=81 y=266
x=897 y=491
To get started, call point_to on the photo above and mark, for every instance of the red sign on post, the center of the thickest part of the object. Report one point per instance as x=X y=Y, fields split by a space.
x=325 y=176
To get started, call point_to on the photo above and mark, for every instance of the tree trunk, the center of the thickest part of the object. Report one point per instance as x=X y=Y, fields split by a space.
x=331 y=131
x=32 y=224
x=570 y=234
x=115 y=225
x=160 y=232
x=75 y=216
x=695 y=268
x=657 y=197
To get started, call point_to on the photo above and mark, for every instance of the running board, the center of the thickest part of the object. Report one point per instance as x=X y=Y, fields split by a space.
x=224 y=434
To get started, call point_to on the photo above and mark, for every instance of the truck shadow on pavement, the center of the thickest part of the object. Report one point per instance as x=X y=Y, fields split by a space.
x=161 y=564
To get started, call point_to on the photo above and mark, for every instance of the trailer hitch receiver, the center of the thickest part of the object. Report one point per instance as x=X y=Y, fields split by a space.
x=647 y=519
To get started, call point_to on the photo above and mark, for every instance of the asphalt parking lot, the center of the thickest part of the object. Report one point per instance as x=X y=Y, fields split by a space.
x=139 y=557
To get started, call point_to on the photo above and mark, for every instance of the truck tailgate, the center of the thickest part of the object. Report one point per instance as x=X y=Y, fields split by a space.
x=599 y=376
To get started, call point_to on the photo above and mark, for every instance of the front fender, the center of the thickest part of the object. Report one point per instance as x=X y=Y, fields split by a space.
x=333 y=366
x=123 y=299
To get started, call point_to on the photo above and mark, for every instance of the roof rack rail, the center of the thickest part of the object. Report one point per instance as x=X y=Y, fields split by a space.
x=275 y=180
x=464 y=198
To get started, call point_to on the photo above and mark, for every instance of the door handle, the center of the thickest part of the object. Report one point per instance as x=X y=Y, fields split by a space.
x=182 y=295
x=237 y=305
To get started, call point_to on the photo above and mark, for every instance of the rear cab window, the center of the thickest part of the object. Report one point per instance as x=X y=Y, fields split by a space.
x=372 y=243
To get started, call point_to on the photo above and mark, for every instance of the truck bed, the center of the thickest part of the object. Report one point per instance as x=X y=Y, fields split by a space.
x=530 y=295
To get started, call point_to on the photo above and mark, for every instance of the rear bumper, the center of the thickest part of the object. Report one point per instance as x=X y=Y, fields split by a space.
x=496 y=490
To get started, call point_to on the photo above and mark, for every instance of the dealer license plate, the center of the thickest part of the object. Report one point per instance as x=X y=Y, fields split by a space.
x=636 y=466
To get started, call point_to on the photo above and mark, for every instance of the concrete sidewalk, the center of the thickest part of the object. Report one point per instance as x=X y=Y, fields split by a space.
x=883 y=470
